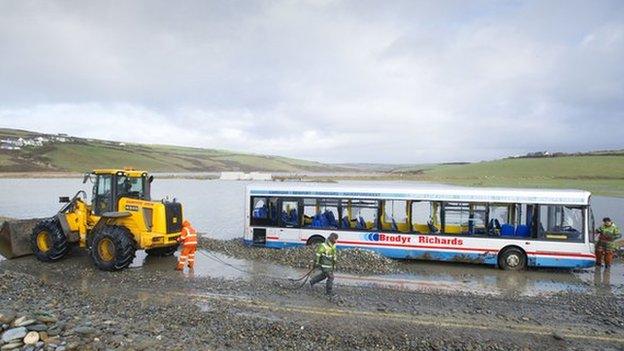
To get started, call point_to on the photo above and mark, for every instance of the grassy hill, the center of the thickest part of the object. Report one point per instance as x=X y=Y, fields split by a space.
x=601 y=173
x=80 y=154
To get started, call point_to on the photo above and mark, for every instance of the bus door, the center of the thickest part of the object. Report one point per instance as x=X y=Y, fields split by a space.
x=289 y=220
x=264 y=217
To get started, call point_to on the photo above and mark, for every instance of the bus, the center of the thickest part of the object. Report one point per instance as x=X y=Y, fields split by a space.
x=508 y=228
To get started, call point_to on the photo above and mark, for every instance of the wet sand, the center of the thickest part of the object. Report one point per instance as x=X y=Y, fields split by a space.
x=232 y=303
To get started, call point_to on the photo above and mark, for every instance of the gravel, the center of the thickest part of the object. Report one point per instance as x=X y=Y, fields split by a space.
x=349 y=260
x=136 y=309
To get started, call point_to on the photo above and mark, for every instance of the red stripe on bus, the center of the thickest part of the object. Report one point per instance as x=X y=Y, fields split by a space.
x=543 y=253
x=273 y=237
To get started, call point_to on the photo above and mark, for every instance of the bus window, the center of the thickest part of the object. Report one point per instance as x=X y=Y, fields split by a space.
x=425 y=217
x=321 y=213
x=289 y=214
x=522 y=222
x=456 y=216
x=477 y=218
x=359 y=214
x=394 y=216
x=498 y=216
x=264 y=211
x=310 y=210
x=564 y=223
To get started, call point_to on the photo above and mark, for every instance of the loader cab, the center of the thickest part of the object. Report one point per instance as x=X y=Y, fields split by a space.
x=109 y=186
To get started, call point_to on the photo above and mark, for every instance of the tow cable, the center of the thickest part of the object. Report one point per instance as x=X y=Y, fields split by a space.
x=304 y=277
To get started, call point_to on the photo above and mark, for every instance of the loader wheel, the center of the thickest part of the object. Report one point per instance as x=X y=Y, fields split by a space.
x=162 y=251
x=48 y=241
x=112 y=248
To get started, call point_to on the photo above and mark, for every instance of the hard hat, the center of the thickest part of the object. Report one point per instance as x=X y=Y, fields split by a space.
x=186 y=223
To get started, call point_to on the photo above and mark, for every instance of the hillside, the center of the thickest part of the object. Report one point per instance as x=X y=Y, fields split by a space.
x=62 y=153
x=599 y=173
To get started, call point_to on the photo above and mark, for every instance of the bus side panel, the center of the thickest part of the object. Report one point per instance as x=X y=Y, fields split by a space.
x=560 y=255
x=556 y=262
x=283 y=237
x=430 y=255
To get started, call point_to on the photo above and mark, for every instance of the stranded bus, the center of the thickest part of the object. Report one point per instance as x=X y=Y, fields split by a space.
x=509 y=228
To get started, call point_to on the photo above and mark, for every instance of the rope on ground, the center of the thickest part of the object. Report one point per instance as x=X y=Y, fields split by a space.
x=215 y=258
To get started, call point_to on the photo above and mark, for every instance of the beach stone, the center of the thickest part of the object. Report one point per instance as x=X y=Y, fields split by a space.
x=12 y=346
x=84 y=330
x=52 y=341
x=6 y=317
x=23 y=321
x=39 y=344
x=29 y=348
x=43 y=335
x=37 y=327
x=13 y=334
x=31 y=338
x=54 y=331
x=46 y=317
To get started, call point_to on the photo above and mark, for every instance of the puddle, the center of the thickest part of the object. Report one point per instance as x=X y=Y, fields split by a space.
x=424 y=276
x=419 y=276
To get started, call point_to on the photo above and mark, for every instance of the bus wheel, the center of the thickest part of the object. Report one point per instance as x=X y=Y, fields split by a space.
x=512 y=259
x=315 y=240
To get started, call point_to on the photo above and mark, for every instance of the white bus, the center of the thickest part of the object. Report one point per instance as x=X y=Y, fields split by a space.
x=508 y=228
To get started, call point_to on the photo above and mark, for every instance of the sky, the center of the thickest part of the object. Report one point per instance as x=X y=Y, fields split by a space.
x=331 y=81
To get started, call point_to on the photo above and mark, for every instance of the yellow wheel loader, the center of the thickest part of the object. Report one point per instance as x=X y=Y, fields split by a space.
x=120 y=220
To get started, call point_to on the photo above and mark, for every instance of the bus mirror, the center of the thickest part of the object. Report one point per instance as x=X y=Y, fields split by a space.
x=150 y=179
x=86 y=177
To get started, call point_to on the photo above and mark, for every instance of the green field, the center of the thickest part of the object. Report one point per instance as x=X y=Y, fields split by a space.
x=600 y=174
x=80 y=154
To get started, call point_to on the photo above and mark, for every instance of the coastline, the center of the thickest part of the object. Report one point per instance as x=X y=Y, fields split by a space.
x=612 y=187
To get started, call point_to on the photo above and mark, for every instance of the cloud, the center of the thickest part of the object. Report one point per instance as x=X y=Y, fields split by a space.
x=347 y=81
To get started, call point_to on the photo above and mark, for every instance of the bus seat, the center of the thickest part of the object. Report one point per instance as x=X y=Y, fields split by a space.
x=284 y=217
x=294 y=216
x=345 y=222
x=260 y=212
x=317 y=221
x=507 y=230
x=361 y=224
x=523 y=230
x=331 y=219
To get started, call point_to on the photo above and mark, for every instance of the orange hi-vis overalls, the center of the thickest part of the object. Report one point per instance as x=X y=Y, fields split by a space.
x=188 y=237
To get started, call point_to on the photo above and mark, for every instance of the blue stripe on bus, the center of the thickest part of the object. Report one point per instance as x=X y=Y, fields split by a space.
x=560 y=262
x=431 y=255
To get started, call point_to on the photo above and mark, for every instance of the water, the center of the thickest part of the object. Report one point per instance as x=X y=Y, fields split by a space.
x=215 y=207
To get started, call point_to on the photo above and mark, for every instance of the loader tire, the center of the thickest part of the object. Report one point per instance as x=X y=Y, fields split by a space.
x=48 y=241
x=113 y=248
x=162 y=251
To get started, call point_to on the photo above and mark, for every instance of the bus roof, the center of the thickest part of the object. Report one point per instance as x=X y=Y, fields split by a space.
x=423 y=192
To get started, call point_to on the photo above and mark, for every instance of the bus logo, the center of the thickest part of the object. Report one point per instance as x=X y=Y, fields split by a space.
x=388 y=238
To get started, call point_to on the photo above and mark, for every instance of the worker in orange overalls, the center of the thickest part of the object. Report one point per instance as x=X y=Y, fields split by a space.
x=188 y=240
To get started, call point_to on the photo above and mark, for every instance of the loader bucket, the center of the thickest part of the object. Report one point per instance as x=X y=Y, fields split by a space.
x=15 y=236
